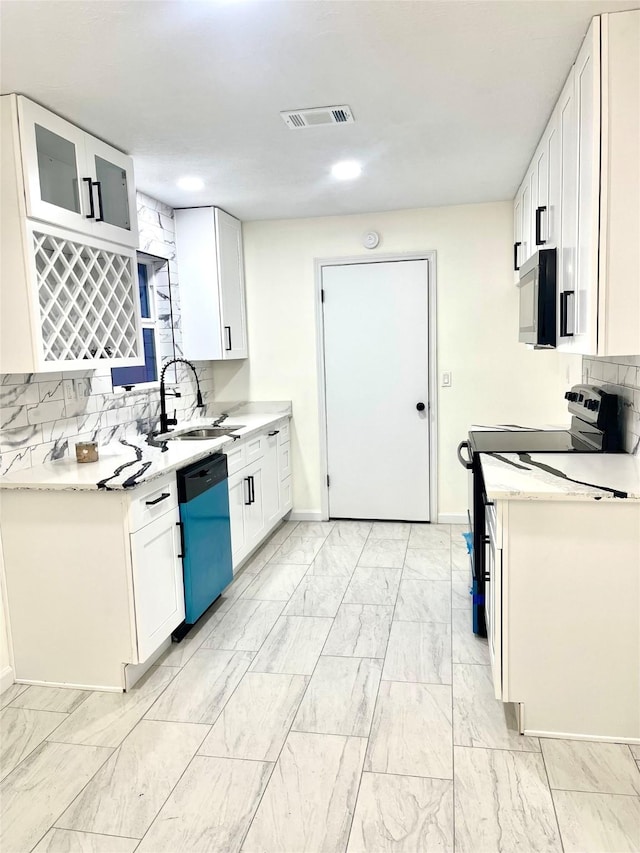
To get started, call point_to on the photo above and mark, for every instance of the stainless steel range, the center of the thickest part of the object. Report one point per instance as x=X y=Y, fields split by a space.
x=595 y=428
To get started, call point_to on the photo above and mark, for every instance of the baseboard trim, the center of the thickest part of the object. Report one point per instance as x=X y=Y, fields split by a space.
x=6 y=678
x=453 y=518
x=306 y=515
x=103 y=688
x=580 y=736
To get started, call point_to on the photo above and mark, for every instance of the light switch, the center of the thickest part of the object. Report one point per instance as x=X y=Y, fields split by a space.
x=446 y=379
x=81 y=387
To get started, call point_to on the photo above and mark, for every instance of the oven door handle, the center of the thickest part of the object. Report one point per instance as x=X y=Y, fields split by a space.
x=466 y=463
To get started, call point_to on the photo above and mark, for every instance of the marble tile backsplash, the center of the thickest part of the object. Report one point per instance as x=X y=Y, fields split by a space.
x=38 y=421
x=620 y=376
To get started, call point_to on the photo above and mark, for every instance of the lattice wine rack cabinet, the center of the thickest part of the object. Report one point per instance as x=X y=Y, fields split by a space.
x=86 y=299
x=83 y=304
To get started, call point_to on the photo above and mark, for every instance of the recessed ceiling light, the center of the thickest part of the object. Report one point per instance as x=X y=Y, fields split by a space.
x=190 y=183
x=346 y=170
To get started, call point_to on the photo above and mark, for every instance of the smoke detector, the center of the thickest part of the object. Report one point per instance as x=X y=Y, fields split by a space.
x=297 y=119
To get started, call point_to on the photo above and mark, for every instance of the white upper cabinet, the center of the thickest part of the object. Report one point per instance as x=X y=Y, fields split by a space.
x=211 y=275
x=517 y=234
x=547 y=178
x=585 y=200
x=74 y=180
x=587 y=95
x=618 y=291
x=568 y=202
x=70 y=300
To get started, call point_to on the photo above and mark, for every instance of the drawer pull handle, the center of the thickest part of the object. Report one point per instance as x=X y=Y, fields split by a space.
x=162 y=497
x=275 y=432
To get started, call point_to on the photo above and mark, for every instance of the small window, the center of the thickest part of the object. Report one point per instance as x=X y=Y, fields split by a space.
x=146 y=373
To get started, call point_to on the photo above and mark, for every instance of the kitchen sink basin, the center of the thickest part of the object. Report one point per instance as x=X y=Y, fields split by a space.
x=206 y=433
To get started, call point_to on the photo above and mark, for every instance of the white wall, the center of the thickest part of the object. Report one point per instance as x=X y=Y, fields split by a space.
x=495 y=379
x=6 y=664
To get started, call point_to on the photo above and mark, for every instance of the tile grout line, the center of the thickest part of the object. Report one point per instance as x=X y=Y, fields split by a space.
x=44 y=740
x=164 y=802
x=293 y=718
x=112 y=751
x=211 y=725
x=553 y=802
x=375 y=703
x=115 y=749
x=453 y=738
x=289 y=731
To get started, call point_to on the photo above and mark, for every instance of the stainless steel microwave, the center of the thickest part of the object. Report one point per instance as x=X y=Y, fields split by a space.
x=538 y=299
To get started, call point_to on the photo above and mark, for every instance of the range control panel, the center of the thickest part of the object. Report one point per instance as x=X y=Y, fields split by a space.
x=590 y=403
x=596 y=409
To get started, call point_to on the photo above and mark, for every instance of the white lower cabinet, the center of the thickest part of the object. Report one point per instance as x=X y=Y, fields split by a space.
x=493 y=600
x=254 y=511
x=271 y=481
x=246 y=510
x=563 y=624
x=112 y=592
x=259 y=494
x=238 y=498
x=158 y=590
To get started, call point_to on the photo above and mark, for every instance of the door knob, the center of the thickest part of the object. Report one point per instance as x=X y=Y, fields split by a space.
x=420 y=407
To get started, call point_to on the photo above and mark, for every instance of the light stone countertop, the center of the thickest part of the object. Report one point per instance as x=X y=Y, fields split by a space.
x=124 y=466
x=561 y=476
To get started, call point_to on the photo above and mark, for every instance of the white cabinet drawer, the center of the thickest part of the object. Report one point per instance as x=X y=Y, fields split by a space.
x=152 y=500
x=255 y=448
x=284 y=460
x=236 y=457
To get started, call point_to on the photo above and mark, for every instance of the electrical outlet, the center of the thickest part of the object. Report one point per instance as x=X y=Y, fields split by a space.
x=69 y=390
x=446 y=379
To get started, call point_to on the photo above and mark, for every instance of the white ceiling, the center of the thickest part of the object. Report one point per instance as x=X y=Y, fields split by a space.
x=449 y=97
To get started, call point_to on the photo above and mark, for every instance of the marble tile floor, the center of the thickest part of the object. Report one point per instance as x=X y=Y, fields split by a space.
x=334 y=699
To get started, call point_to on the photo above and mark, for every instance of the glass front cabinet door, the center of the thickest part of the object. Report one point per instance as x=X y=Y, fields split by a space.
x=53 y=166
x=74 y=180
x=114 y=194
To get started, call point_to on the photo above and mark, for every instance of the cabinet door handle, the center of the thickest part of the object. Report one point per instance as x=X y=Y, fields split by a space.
x=275 y=432
x=515 y=256
x=162 y=497
x=248 y=494
x=566 y=328
x=252 y=487
x=227 y=333
x=539 y=211
x=98 y=186
x=466 y=463
x=488 y=547
x=92 y=209
x=181 y=526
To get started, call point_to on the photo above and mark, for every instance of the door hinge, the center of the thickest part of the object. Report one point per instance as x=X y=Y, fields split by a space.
x=322 y=295
x=327 y=481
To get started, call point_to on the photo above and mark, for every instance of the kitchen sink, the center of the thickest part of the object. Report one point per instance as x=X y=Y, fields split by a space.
x=205 y=433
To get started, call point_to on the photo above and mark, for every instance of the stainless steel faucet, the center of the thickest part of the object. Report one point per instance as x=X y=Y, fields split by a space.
x=166 y=422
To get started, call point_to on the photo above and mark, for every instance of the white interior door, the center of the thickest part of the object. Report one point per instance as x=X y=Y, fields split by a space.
x=376 y=375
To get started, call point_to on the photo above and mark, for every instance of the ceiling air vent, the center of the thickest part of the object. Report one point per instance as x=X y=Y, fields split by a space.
x=297 y=119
